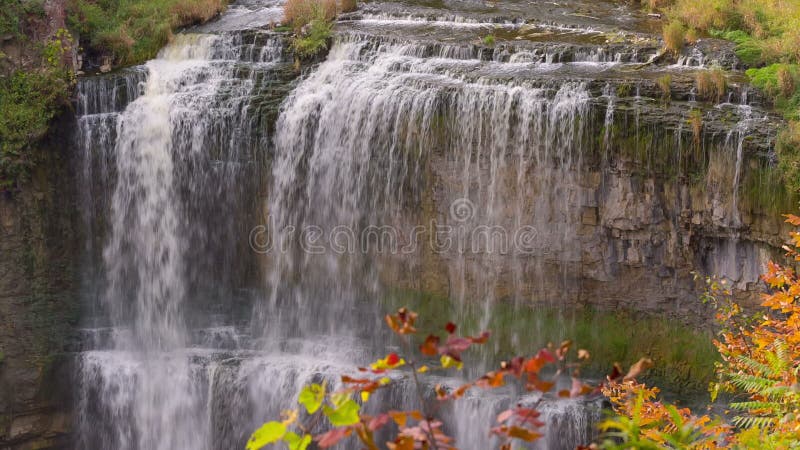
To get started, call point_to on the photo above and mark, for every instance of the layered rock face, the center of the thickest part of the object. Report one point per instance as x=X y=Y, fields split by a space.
x=621 y=185
x=38 y=301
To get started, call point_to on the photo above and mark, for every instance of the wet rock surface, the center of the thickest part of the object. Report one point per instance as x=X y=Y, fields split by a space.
x=38 y=301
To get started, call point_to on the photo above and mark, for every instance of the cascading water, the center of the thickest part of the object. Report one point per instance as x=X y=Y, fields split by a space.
x=178 y=154
x=202 y=325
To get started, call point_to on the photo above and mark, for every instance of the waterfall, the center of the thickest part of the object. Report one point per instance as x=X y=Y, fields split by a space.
x=249 y=225
x=177 y=148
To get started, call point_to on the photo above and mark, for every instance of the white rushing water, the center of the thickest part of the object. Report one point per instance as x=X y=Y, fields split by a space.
x=151 y=389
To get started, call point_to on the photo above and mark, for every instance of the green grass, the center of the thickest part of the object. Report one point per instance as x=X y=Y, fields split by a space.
x=747 y=48
x=29 y=99
x=132 y=31
x=780 y=82
x=315 y=40
x=764 y=189
x=15 y=15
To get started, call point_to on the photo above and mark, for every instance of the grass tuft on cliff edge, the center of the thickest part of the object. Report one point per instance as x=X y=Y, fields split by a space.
x=132 y=31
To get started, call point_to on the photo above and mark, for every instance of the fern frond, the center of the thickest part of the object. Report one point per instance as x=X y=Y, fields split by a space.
x=777 y=364
x=747 y=406
x=754 y=421
x=753 y=365
x=751 y=383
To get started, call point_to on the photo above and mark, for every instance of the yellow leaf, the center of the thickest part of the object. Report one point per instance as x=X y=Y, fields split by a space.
x=448 y=362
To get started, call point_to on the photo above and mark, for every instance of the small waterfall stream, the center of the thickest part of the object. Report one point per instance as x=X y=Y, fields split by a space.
x=248 y=225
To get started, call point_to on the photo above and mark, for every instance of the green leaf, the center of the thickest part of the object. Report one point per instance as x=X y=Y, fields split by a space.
x=311 y=397
x=296 y=442
x=345 y=413
x=268 y=433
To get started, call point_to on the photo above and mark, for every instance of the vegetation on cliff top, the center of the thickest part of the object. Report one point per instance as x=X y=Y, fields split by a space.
x=312 y=23
x=30 y=96
x=132 y=31
x=35 y=85
x=767 y=37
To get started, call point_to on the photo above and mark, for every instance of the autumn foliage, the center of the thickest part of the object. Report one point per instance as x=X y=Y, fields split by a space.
x=335 y=415
x=758 y=373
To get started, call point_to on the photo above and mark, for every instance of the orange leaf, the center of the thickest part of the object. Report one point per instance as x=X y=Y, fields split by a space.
x=636 y=369
x=523 y=433
x=399 y=418
x=431 y=346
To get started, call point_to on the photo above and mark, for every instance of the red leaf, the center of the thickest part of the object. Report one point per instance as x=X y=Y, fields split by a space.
x=535 y=364
x=563 y=349
x=616 y=372
x=481 y=339
x=456 y=344
x=430 y=346
x=505 y=415
x=514 y=366
x=450 y=327
x=576 y=389
x=401 y=443
x=535 y=384
x=332 y=437
x=392 y=358
x=491 y=380
x=378 y=422
x=458 y=393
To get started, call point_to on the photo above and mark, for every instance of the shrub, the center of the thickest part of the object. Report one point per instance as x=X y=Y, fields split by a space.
x=665 y=84
x=331 y=416
x=488 y=40
x=674 y=37
x=779 y=82
x=315 y=39
x=711 y=85
x=788 y=149
x=29 y=99
x=785 y=81
x=696 y=122
x=692 y=36
x=300 y=13
x=760 y=357
x=348 y=5
x=654 y=5
x=198 y=11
